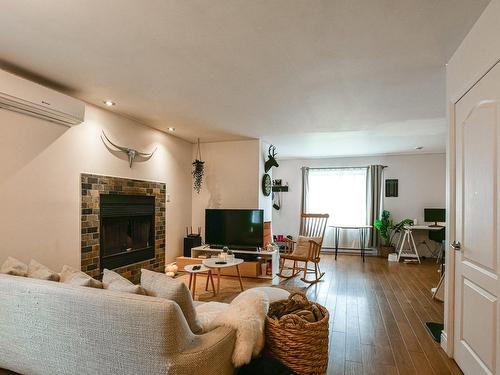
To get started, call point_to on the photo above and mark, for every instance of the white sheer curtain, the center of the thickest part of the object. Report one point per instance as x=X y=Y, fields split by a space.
x=340 y=192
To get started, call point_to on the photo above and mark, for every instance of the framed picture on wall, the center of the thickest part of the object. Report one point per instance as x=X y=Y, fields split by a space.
x=391 y=187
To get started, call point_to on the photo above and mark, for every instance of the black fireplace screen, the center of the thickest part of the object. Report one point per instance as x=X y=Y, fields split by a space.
x=127 y=229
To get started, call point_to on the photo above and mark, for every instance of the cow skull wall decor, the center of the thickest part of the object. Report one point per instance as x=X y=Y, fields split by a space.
x=271 y=161
x=130 y=152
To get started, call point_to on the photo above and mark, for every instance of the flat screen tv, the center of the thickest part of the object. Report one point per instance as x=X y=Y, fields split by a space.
x=436 y=215
x=234 y=228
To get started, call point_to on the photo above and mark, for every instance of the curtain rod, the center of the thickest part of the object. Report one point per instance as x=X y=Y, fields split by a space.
x=361 y=166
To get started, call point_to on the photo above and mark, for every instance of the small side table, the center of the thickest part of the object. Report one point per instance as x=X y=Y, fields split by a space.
x=212 y=263
x=192 y=277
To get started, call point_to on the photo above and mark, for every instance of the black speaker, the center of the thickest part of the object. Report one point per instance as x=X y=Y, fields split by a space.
x=189 y=243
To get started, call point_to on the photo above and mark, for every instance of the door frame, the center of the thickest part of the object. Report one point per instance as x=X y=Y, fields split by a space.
x=448 y=334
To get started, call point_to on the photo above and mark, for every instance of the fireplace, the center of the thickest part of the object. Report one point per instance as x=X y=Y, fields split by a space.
x=127 y=229
x=122 y=225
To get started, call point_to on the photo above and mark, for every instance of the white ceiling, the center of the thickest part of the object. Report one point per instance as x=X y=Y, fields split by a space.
x=316 y=78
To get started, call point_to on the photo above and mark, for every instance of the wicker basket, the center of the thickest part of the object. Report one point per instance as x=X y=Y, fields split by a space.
x=299 y=345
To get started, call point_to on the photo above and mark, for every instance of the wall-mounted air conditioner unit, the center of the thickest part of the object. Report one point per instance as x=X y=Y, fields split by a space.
x=20 y=95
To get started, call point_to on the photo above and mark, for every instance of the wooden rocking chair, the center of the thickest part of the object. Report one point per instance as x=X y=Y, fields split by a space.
x=306 y=249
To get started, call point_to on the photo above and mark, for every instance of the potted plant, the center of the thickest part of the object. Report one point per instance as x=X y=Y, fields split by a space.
x=387 y=230
x=198 y=170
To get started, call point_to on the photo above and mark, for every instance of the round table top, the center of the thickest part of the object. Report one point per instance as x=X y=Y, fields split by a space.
x=189 y=268
x=210 y=262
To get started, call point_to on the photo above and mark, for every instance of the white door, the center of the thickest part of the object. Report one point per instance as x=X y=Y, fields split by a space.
x=477 y=314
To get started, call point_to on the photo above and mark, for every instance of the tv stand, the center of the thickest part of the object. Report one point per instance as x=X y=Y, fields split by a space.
x=216 y=247
x=220 y=247
x=259 y=256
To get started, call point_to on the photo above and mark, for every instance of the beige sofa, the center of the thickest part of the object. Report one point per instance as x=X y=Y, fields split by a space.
x=50 y=328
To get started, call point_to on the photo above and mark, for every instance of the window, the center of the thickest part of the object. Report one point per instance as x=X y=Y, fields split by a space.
x=340 y=192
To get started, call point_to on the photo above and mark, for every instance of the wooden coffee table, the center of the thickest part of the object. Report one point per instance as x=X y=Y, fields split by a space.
x=212 y=264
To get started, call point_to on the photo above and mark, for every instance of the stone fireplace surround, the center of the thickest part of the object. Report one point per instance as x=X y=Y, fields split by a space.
x=92 y=186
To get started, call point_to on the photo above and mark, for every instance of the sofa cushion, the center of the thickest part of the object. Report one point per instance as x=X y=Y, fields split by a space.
x=114 y=281
x=14 y=267
x=72 y=276
x=39 y=271
x=160 y=285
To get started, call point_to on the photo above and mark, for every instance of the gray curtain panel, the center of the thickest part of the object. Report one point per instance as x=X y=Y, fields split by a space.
x=305 y=189
x=374 y=200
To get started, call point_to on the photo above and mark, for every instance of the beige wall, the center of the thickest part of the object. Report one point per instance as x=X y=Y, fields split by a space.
x=231 y=175
x=421 y=184
x=39 y=181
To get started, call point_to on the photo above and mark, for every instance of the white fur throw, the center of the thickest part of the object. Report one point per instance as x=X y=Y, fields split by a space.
x=246 y=314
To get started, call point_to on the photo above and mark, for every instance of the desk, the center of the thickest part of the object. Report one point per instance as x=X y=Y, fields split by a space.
x=362 y=229
x=411 y=251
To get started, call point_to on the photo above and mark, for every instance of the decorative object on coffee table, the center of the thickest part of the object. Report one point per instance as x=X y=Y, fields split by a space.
x=218 y=264
x=198 y=170
x=193 y=270
x=297 y=334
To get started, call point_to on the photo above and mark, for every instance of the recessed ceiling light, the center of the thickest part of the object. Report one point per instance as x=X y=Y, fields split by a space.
x=170 y=129
x=419 y=147
x=109 y=103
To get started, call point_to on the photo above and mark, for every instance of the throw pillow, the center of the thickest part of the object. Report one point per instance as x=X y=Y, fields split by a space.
x=39 y=271
x=303 y=245
x=72 y=276
x=14 y=267
x=160 y=285
x=114 y=281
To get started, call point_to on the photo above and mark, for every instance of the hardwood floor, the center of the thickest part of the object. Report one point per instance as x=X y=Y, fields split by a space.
x=378 y=310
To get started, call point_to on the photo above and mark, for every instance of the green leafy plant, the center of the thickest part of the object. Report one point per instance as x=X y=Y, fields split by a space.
x=198 y=170
x=388 y=229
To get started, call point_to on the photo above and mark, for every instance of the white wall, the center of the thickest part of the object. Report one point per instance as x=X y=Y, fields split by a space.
x=477 y=53
x=265 y=203
x=40 y=187
x=231 y=172
x=421 y=184
x=233 y=176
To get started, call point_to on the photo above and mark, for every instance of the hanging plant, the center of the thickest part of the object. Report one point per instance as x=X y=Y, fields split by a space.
x=198 y=170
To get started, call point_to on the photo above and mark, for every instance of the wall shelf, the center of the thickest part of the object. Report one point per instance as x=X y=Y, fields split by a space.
x=282 y=189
